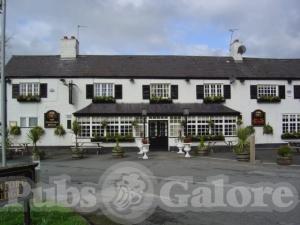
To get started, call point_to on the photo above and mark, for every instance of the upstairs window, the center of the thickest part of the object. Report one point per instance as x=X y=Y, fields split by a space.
x=104 y=90
x=267 y=90
x=160 y=90
x=211 y=90
x=29 y=89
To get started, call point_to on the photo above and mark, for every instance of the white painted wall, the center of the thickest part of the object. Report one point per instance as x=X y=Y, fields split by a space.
x=132 y=93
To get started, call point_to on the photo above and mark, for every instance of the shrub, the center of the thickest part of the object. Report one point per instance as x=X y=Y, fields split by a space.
x=243 y=145
x=295 y=135
x=59 y=131
x=214 y=99
x=268 y=129
x=15 y=131
x=284 y=151
x=34 y=135
x=104 y=99
x=29 y=98
x=160 y=100
x=269 y=99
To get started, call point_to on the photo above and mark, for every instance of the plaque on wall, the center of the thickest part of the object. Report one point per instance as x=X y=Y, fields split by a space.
x=52 y=119
x=258 y=118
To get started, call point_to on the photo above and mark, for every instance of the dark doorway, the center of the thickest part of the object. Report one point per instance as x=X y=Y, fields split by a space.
x=158 y=134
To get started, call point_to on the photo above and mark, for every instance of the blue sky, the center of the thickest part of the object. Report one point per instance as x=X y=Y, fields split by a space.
x=268 y=28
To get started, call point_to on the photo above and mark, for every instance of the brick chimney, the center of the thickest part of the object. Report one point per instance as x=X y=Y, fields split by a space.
x=69 y=48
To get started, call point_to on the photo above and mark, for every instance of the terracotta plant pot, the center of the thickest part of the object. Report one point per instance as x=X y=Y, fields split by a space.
x=243 y=157
x=202 y=151
x=118 y=152
x=284 y=160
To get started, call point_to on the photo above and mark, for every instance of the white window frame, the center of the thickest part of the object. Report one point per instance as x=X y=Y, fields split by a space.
x=32 y=89
x=290 y=123
x=271 y=90
x=161 y=90
x=27 y=121
x=103 y=90
x=213 y=89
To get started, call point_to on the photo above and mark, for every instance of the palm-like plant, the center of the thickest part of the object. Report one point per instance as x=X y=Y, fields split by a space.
x=34 y=136
x=243 y=144
x=76 y=130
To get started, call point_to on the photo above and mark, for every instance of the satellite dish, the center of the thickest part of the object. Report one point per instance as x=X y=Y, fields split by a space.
x=242 y=49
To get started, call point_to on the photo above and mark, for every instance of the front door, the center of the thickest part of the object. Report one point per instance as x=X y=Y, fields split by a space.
x=158 y=134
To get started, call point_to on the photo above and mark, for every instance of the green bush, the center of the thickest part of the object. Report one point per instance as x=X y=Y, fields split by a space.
x=269 y=99
x=284 y=151
x=160 y=100
x=59 y=131
x=219 y=137
x=214 y=99
x=15 y=131
x=29 y=98
x=295 y=135
x=104 y=99
x=268 y=129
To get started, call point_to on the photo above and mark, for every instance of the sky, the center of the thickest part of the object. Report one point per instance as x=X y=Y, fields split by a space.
x=268 y=28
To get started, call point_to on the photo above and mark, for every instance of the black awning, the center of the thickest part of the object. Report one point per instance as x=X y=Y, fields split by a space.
x=154 y=110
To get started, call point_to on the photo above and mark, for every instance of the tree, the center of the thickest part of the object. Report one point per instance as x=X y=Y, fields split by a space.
x=76 y=130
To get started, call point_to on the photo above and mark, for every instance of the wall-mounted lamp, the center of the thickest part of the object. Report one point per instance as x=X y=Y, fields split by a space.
x=187 y=80
x=64 y=82
x=144 y=114
x=132 y=80
x=242 y=81
x=289 y=81
x=232 y=80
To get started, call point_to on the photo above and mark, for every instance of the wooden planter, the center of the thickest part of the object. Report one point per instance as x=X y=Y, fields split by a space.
x=284 y=161
x=118 y=153
x=243 y=157
x=77 y=153
x=202 y=151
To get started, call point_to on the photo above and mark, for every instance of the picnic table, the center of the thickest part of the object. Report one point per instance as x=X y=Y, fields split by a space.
x=91 y=145
x=294 y=144
x=19 y=148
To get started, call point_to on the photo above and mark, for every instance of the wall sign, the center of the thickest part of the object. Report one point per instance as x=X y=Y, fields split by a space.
x=52 y=119
x=258 y=118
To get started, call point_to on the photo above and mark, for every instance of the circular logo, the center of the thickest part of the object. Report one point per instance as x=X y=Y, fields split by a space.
x=127 y=193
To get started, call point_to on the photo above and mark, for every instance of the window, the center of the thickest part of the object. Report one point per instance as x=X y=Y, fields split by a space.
x=215 y=125
x=176 y=126
x=213 y=90
x=267 y=90
x=29 y=89
x=23 y=122
x=103 y=90
x=160 y=90
x=290 y=123
x=33 y=121
x=84 y=123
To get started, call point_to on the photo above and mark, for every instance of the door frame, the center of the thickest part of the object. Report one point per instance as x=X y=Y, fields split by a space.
x=165 y=143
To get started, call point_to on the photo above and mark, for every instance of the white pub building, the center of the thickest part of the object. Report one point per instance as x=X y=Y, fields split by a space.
x=116 y=95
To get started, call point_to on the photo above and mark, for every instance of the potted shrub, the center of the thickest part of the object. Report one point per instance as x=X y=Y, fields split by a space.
x=202 y=149
x=35 y=135
x=284 y=156
x=268 y=129
x=77 y=152
x=242 y=148
x=59 y=131
x=134 y=124
x=118 y=150
x=15 y=131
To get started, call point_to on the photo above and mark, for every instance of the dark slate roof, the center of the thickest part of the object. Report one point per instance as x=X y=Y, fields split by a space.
x=154 y=109
x=171 y=67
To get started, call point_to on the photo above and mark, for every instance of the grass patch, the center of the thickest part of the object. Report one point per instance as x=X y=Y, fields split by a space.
x=41 y=215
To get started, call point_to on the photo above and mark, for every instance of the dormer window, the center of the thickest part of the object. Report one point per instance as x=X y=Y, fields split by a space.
x=104 y=90
x=213 y=90
x=267 y=91
x=29 y=89
x=160 y=91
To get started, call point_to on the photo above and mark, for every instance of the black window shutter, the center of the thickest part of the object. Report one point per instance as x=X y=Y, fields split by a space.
x=200 y=91
x=118 y=92
x=89 y=91
x=71 y=93
x=282 y=91
x=227 y=91
x=15 y=90
x=43 y=90
x=297 y=91
x=174 y=91
x=69 y=124
x=146 y=91
x=253 y=92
